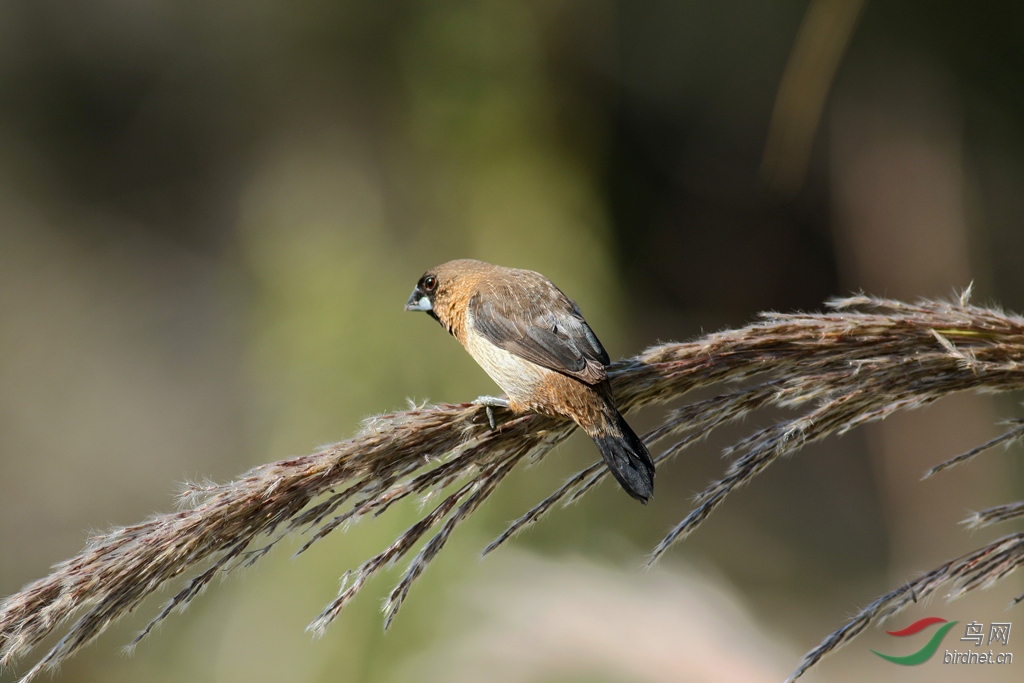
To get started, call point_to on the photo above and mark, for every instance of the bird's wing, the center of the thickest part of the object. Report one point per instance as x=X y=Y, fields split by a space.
x=534 y=320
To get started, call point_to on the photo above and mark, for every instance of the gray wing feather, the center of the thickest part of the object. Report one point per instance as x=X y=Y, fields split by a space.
x=540 y=324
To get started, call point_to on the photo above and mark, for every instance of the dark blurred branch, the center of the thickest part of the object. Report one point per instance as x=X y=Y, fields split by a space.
x=861 y=361
x=817 y=51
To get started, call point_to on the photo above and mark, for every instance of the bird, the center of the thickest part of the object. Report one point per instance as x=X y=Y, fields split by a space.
x=535 y=344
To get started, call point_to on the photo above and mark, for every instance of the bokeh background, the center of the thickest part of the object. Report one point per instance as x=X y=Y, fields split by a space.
x=212 y=212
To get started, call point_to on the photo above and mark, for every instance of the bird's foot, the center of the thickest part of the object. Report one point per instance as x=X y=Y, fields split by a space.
x=490 y=403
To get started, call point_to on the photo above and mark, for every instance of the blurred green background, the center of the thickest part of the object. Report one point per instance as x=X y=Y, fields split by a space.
x=211 y=214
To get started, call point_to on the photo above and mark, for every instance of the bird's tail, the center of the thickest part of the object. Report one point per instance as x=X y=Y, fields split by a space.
x=626 y=455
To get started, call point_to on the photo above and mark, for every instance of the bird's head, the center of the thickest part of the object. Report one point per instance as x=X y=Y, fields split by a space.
x=441 y=291
x=424 y=295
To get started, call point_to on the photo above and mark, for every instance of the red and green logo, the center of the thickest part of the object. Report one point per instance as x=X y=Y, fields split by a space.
x=925 y=653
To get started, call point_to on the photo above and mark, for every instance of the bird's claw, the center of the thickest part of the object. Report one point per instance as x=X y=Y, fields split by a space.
x=490 y=403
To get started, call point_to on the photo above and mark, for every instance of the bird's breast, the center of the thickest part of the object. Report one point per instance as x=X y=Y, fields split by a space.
x=520 y=379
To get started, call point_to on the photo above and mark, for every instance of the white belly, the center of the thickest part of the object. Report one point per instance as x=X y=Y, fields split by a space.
x=515 y=376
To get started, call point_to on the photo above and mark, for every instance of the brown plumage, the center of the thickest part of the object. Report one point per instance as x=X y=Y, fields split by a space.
x=534 y=343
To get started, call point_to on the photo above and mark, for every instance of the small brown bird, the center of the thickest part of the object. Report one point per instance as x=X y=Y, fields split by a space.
x=534 y=343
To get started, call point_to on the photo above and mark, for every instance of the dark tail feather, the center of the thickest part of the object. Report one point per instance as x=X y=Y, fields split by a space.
x=627 y=458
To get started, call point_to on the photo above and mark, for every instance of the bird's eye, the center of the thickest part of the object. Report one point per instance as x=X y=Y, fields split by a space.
x=429 y=283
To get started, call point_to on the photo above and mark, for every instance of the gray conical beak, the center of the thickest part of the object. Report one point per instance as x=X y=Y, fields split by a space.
x=418 y=301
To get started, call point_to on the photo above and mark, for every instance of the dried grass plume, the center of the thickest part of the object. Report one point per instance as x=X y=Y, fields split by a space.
x=860 y=361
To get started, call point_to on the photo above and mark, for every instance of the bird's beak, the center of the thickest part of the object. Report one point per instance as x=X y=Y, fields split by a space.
x=418 y=301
